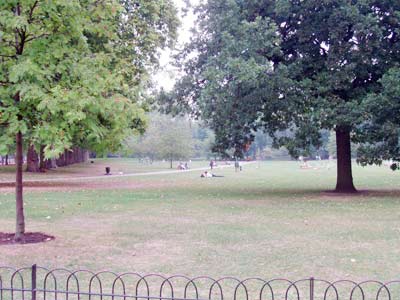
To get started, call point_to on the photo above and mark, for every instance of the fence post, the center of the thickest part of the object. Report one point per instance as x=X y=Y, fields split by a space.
x=34 y=271
x=312 y=288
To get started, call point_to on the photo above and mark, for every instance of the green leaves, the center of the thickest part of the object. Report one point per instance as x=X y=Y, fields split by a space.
x=79 y=68
x=292 y=65
x=166 y=138
x=381 y=130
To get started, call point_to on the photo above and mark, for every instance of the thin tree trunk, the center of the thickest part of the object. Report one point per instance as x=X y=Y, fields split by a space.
x=74 y=158
x=69 y=157
x=171 y=163
x=86 y=158
x=344 y=183
x=42 y=163
x=32 y=160
x=20 y=221
x=19 y=156
x=78 y=155
x=7 y=160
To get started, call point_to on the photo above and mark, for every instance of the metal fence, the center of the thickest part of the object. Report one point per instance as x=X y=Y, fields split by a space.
x=36 y=283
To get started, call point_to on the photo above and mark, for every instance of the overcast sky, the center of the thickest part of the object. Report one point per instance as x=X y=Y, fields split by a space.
x=165 y=78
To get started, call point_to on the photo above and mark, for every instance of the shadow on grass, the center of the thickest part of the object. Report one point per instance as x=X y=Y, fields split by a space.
x=295 y=193
x=53 y=186
x=43 y=184
x=211 y=192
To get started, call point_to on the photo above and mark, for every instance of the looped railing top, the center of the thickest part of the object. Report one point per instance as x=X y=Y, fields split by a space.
x=41 y=283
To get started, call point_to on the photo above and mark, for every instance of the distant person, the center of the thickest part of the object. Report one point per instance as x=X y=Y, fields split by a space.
x=211 y=164
x=304 y=163
x=237 y=166
x=328 y=165
x=207 y=174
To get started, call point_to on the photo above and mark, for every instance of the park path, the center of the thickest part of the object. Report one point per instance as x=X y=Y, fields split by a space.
x=66 y=179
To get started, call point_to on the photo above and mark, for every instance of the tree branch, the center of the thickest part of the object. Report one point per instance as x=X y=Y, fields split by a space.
x=30 y=18
x=8 y=56
x=37 y=37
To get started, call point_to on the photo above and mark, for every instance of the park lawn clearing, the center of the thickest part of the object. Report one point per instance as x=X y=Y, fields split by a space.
x=270 y=220
x=97 y=168
x=83 y=180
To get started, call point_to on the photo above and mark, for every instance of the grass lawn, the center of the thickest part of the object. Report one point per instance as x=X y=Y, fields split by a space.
x=271 y=220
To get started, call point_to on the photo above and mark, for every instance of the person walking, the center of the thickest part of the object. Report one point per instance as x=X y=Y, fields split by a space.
x=237 y=165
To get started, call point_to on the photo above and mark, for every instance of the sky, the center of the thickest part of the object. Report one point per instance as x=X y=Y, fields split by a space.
x=165 y=77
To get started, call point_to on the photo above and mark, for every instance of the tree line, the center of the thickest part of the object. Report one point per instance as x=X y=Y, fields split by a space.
x=171 y=139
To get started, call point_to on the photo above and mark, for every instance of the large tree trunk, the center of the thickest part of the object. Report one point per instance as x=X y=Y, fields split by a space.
x=46 y=164
x=60 y=161
x=78 y=155
x=32 y=160
x=344 y=183
x=20 y=221
x=69 y=157
x=51 y=163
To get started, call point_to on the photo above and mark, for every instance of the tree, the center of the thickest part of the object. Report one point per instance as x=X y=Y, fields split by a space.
x=290 y=65
x=36 y=51
x=331 y=147
x=203 y=139
x=166 y=138
x=381 y=129
x=69 y=73
x=259 y=144
x=6 y=148
x=176 y=142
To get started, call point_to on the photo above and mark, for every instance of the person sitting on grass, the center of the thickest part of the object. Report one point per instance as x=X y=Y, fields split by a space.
x=209 y=174
x=181 y=166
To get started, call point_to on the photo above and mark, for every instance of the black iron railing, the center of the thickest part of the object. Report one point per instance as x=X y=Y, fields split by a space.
x=36 y=283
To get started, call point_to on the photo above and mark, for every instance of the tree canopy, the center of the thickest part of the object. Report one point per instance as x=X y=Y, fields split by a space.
x=299 y=67
x=166 y=138
x=80 y=68
x=75 y=72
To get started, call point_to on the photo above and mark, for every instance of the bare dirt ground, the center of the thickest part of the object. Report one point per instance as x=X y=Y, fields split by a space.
x=46 y=186
x=30 y=238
